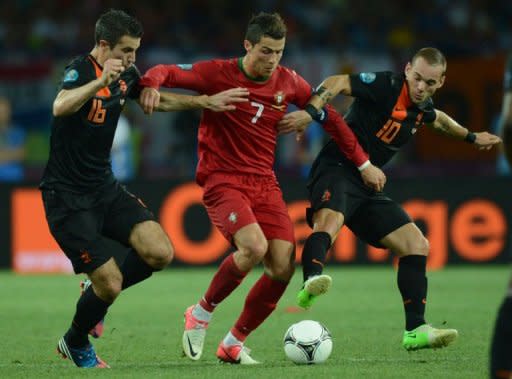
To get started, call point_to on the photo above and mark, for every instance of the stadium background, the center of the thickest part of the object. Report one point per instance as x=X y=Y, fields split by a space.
x=458 y=195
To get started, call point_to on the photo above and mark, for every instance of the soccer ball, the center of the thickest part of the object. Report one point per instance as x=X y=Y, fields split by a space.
x=307 y=342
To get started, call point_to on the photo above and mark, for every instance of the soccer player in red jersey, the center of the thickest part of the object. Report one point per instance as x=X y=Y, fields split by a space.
x=235 y=169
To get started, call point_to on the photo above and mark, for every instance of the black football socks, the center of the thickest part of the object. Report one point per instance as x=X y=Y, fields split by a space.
x=501 y=351
x=314 y=253
x=90 y=310
x=135 y=269
x=412 y=283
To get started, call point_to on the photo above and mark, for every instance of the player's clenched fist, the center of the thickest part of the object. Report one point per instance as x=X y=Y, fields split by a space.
x=112 y=69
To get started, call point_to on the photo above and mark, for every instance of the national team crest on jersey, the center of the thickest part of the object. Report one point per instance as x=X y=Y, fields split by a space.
x=279 y=98
x=233 y=217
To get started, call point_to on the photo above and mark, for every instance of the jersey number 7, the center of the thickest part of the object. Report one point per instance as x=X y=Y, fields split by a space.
x=97 y=113
x=259 y=112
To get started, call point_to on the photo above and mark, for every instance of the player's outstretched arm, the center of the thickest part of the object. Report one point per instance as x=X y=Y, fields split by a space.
x=152 y=100
x=446 y=124
x=226 y=100
x=298 y=121
x=70 y=101
x=329 y=88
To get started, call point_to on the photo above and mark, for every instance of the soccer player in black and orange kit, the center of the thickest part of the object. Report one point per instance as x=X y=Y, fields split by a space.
x=85 y=205
x=235 y=169
x=389 y=108
x=501 y=345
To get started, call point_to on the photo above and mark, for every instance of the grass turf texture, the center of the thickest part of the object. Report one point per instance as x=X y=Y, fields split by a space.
x=363 y=311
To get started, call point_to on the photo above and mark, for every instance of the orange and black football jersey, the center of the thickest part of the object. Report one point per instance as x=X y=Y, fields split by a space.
x=80 y=143
x=382 y=116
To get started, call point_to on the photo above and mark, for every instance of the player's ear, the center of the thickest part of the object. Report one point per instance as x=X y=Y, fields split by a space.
x=104 y=45
x=247 y=45
x=441 y=81
x=407 y=69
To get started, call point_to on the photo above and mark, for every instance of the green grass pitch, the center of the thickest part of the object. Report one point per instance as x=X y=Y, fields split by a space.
x=363 y=311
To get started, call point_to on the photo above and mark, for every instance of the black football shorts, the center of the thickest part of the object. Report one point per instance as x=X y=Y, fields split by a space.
x=370 y=215
x=85 y=225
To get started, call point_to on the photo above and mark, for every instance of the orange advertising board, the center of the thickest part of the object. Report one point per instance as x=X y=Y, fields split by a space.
x=471 y=230
x=33 y=247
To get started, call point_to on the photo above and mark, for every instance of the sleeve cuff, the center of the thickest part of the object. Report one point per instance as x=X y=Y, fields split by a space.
x=364 y=165
x=149 y=82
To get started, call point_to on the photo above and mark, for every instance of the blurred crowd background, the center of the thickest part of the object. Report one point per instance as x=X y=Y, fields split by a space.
x=38 y=37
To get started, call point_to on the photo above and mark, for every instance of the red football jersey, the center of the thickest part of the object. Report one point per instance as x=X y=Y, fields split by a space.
x=243 y=141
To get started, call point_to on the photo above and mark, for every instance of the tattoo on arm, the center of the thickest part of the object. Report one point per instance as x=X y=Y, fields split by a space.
x=444 y=128
x=323 y=94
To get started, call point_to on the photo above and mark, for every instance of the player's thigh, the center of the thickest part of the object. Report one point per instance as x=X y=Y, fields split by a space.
x=271 y=212
x=77 y=231
x=406 y=240
x=152 y=243
x=334 y=191
x=229 y=209
x=125 y=211
x=377 y=218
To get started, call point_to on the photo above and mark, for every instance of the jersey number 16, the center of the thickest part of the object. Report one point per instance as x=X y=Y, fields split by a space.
x=97 y=113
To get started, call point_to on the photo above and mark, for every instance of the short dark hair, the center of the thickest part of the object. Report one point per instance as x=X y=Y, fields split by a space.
x=114 y=24
x=432 y=55
x=265 y=24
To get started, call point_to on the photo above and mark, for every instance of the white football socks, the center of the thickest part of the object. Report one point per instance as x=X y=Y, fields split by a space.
x=230 y=340
x=201 y=314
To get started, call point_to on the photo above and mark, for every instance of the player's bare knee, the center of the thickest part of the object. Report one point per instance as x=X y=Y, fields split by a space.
x=260 y=248
x=256 y=250
x=109 y=289
x=283 y=272
x=418 y=245
x=282 y=265
x=160 y=256
x=424 y=246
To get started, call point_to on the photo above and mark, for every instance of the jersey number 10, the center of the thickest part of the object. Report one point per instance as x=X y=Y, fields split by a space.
x=389 y=131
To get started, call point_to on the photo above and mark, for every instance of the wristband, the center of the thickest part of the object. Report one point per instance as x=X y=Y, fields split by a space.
x=470 y=137
x=364 y=165
x=317 y=115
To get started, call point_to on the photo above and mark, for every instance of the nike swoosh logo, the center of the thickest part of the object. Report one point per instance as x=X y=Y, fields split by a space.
x=192 y=352
x=317 y=262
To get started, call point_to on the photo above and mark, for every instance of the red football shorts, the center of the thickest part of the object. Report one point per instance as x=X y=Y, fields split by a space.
x=234 y=201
